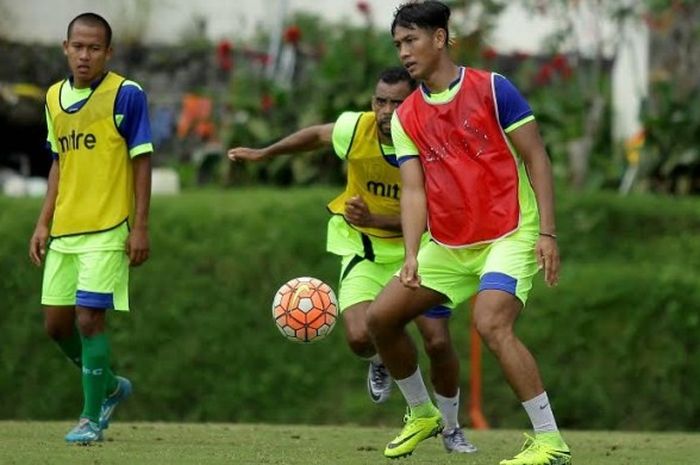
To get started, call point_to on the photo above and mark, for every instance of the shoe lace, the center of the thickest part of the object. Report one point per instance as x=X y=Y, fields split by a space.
x=83 y=423
x=532 y=447
x=529 y=442
x=379 y=373
x=456 y=437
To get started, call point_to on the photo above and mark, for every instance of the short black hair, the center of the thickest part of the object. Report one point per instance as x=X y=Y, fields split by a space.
x=424 y=15
x=397 y=74
x=92 y=19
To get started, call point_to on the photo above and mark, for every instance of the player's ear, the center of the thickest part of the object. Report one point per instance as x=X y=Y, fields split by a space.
x=65 y=47
x=440 y=38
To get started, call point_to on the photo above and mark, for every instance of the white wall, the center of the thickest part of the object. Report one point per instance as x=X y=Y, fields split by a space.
x=168 y=20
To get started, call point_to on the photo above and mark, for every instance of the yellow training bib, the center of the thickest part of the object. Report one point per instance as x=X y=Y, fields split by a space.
x=95 y=188
x=371 y=176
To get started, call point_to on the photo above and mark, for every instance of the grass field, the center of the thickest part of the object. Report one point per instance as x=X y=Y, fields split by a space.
x=29 y=443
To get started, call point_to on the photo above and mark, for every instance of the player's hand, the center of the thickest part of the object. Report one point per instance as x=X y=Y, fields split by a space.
x=137 y=247
x=37 y=244
x=356 y=212
x=547 y=253
x=409 y=273
x=245 y=153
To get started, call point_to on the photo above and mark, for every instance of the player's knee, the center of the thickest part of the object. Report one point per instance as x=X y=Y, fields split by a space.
x=90 y=323
x=362 y=347
x=383 y=321
x=58 y=331
x=493 y=332
x=376 y=322
x=360 y=342
x=438 y=347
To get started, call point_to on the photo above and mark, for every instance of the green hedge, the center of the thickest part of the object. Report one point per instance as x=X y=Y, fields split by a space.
x=617 y=340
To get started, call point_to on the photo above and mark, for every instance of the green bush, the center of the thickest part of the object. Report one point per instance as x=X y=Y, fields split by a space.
x=616 y=340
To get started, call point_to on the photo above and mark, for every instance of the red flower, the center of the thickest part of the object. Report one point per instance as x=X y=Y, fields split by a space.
x=489 y=53
x=223 y=55
x=560 y=62
x=363 y=7
x=544 y=75
x=263 y=58
x=292 y=35
x=266 y=102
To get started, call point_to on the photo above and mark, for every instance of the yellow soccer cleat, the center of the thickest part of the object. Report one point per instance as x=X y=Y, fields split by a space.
x=415 y=430
x=541 y=451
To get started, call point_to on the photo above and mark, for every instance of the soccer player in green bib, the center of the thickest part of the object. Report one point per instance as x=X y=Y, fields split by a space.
x=94 y=220
x=365 y=232
x=475 y=172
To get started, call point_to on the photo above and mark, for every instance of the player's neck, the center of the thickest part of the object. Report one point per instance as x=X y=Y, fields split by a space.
x=384 y=140
x=444 y=75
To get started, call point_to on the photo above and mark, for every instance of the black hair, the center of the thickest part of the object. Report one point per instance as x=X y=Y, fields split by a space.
x=92 y=19
x=397 y=74
x=429 y=14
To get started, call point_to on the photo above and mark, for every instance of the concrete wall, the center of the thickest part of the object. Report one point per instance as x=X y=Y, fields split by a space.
x=167 y=21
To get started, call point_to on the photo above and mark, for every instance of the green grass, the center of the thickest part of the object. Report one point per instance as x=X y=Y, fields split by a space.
x=29 y=443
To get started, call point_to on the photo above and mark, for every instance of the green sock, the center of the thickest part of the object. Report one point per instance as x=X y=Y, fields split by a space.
x=72 y=348
x=95 y=367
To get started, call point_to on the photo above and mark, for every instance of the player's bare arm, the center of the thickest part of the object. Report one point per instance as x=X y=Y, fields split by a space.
x=357 y=213
x=306 y=139
x=137 y=244
x=40 y=237
x=413 y=218
x=528 y=143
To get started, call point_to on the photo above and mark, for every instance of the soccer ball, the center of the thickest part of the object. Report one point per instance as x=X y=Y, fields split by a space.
x=305 y=309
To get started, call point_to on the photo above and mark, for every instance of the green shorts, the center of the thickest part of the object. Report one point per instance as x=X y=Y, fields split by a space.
x=89 y=279
x=362 y=280
x=508 y=265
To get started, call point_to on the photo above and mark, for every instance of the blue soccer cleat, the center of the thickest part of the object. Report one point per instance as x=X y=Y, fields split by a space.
x=85 y=432
x=122 y=393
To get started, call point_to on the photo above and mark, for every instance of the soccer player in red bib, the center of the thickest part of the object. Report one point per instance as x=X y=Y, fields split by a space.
x=475 y=173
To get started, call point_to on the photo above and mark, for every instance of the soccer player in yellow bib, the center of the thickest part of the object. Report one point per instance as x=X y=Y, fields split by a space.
x=365 y=232
x=94 y=220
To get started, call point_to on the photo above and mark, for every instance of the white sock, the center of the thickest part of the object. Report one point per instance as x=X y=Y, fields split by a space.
x=540 y=412
x=449 y=408
x=413 y=389
x=375 y=359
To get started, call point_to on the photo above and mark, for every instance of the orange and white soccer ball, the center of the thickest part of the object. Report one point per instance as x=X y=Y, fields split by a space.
x=305 y=309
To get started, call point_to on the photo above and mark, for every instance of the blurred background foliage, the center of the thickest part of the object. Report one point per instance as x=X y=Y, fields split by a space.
x=623 y=312
x=568 y=87
x=252 y=92
x=616 y=340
